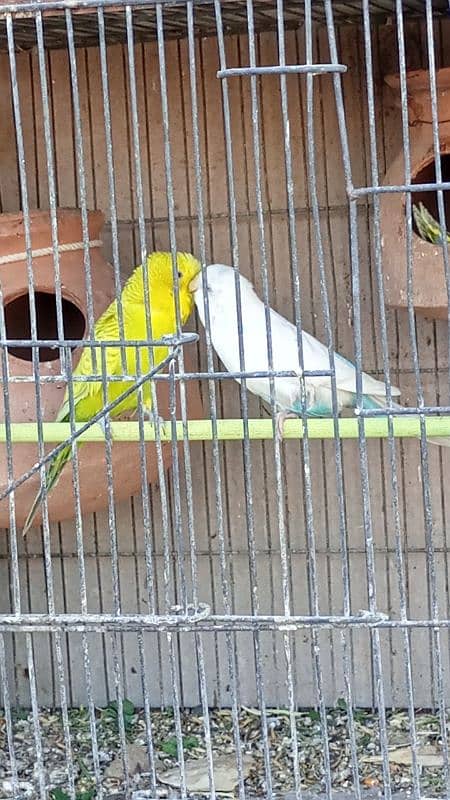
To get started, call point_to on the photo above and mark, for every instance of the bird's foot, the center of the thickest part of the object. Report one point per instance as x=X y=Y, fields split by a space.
x=281 y=418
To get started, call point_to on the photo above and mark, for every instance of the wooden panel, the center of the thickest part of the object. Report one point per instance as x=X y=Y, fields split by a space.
x=433 y=354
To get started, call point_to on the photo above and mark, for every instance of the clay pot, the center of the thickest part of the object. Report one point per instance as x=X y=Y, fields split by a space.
x=429 y=287
x=22 y=396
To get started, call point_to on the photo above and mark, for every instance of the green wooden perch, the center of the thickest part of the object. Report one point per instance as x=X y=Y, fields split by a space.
x=231 y=430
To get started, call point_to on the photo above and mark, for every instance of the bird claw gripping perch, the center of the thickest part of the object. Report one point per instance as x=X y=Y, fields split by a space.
x=281 y=418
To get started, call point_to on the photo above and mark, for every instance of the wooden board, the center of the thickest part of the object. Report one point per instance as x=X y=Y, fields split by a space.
x=433 y=353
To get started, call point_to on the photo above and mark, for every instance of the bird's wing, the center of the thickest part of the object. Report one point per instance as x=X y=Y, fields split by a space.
x=106 y=329
x=317 y=354
x=346 y=380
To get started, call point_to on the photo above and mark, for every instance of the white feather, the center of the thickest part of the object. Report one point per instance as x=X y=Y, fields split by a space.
x=222 y=304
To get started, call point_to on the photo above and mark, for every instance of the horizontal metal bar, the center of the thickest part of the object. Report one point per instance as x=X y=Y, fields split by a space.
x=363 y=191
x=25 y=8
x=54 y=344
x=287 y=69
x=57 y=377
x=176 y=376
x=203 y=621
x=404 y=411
x=19 y=9
x=229 y=429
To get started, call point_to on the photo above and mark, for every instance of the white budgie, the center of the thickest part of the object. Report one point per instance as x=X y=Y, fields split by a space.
x=220 y=280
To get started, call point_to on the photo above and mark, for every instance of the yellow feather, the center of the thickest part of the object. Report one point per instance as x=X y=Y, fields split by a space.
x=89 y=396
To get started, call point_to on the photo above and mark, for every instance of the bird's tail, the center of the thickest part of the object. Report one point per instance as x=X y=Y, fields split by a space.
x=428 y=228
x=52 y=476
x=372 y=401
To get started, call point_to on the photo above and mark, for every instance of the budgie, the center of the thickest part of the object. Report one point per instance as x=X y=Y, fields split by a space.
x=428 y=228
x=220 y=281
x=88 y=397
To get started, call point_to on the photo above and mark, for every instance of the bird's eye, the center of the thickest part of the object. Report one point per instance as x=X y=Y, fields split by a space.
x=180 y=275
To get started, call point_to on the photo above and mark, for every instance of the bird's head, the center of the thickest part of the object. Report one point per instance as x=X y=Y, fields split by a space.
x=218 y=281
x=161 y=279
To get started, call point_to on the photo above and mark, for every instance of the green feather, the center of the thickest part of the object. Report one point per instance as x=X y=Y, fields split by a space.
x=428 y=228
x=51 y=479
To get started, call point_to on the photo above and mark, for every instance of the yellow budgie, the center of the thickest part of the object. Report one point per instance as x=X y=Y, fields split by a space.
x=428 y=228
x=88 y=397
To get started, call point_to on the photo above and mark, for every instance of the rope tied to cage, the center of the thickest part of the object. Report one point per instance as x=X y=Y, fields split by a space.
x=48 y=251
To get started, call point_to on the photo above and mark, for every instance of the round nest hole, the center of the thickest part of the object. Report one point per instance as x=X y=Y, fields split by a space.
x=18 y=324
x=427 y=174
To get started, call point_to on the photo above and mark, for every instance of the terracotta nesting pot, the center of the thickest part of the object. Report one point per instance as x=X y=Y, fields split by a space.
x=22 y=396
x=430 y=292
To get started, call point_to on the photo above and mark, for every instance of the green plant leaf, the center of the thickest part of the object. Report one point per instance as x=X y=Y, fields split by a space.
x=112 y=712
x=189 y=742
x=20 y=713
x=60 y=794
x=170 y=746
x=128 y=708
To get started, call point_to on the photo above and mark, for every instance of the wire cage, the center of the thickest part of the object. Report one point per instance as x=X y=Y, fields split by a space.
x=264 y=618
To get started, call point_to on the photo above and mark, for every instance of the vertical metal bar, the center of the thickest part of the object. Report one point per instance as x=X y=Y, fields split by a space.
x=401 y=578
x=161 y=471
x=437 y=154
x=172 y=238
x=143 y=252
x=140 y=196
x=116 y=640
x=8 y=720
x=12 y=538
x=149 y=573
x=424 y=464
x=32 y=305
x=35 y=715
x=60 y=328
x=244 y=401
x=436 y=638
x=111 y=181
x=445 y=252
x=145 y=492
x=314 y=202
x=367 y=519
x=35 y=361
x=147 y=712
x=229 y=637
x=79 y=150
x=50 y=178
x=183 y=407
x=284 y=554
x=310 y=532
x=175 y=461
x=82 y=582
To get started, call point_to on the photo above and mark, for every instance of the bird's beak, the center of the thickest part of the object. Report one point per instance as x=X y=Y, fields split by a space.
x=195 y=282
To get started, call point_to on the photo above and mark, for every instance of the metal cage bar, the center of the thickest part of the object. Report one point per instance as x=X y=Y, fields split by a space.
x=257 y=568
